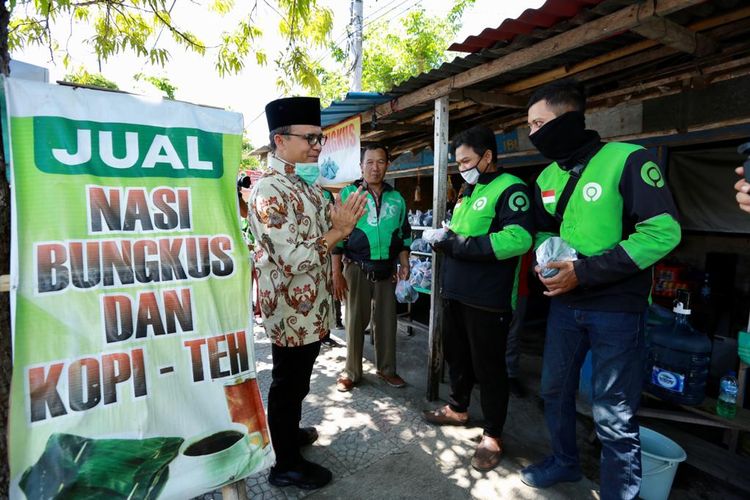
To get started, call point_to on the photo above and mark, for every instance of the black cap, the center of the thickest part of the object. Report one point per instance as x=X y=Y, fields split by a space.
x=293 y=111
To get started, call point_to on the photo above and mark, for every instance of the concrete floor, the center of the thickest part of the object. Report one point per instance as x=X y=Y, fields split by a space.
x=378 y=447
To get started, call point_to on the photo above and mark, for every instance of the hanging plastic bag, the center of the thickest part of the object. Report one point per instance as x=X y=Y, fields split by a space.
x=426 y=278
x=554 y=249
x=405 y=293
x=417 y=274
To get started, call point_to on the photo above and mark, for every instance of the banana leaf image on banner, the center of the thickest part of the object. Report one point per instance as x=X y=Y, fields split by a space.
x=76 y=467
x=133 y=363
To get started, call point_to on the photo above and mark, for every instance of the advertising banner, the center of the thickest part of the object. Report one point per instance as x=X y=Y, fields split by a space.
x=134 y=370
x=339 y=159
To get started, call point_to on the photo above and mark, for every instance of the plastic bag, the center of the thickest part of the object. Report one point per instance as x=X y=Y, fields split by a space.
x=555 y=249
x=405 y=292
x=426 y=278
x=416 y=276
x=432 y=236
x=420 y=245
x=415 y=218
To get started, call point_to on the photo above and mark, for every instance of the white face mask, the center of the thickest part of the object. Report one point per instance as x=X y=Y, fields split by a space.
x=471 y=176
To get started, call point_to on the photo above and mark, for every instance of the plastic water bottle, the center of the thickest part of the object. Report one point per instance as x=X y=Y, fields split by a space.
x=726 y=406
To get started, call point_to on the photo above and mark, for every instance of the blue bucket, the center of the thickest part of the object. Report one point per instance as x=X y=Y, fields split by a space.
x=660 y=457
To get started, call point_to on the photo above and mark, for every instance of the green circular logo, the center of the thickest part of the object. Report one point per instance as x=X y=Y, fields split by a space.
x=519 y=201
x=480 y=203
x=592 y=191
x=651 y=174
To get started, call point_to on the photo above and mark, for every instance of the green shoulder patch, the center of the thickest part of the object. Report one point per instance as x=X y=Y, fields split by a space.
x=651 y=174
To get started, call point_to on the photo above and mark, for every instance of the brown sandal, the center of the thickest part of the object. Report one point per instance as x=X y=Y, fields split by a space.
x=445 y=416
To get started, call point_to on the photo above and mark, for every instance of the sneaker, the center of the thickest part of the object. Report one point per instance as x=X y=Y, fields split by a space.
x=392 y=380
x=548 y=472
x=305 y=475
x=488 y=453
x=445 y=416
x=344 y=384
x=307 y=436
x=516 y=387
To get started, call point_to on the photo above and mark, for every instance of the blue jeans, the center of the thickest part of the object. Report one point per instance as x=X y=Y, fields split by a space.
x=618 y=351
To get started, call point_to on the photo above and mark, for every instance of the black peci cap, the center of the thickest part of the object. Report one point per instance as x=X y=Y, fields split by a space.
x=293 y=111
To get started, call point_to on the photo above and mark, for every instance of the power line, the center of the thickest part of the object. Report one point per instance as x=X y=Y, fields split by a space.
x=346 y=33
x=381 y=8
x=391 y=10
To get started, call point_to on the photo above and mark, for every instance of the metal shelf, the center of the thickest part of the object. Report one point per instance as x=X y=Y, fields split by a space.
x=421 y=228
x=423 y=254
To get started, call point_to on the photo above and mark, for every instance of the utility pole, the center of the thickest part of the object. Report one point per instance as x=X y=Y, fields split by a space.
x=357 y=10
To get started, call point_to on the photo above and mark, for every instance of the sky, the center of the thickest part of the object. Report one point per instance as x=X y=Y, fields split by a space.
x=249 y=91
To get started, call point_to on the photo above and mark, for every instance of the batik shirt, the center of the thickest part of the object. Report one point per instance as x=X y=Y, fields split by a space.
x=288 y=219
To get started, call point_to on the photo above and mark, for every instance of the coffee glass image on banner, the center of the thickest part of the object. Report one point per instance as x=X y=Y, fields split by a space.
x=133 y=364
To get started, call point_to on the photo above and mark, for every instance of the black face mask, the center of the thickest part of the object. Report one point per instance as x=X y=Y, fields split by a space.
x=562 y=138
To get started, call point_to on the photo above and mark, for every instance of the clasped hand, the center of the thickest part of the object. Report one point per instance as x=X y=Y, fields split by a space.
x=564 y=281
x=344 y=216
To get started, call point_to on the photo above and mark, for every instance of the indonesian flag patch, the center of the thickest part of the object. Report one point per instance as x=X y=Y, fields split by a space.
x=548 y=196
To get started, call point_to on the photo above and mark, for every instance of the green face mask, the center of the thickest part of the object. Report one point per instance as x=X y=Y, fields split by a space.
x=308 y=172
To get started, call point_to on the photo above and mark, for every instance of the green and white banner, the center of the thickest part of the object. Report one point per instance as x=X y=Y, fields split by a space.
x=134 y=371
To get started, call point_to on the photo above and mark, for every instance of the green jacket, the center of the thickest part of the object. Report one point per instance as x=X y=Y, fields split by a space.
x=620 y=218
x=382 y=232
x=492 y=223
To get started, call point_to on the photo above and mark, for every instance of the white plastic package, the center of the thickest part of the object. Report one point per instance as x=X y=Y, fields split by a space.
x=432 y=236
x=554 y=249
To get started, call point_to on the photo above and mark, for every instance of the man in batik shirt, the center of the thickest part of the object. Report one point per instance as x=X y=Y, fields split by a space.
x=295 y=229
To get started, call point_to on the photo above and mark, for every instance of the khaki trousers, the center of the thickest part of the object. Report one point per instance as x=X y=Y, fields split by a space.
x=366 y=299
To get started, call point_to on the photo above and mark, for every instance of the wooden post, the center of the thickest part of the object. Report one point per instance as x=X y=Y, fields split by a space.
x=439 y=195
x=234 y=491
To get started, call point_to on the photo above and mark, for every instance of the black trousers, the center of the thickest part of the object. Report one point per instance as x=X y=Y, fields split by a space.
x=292 y=368
x=474 y=347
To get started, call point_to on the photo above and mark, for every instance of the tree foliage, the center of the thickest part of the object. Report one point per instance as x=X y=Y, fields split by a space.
x=393 y=52
x=248 y=161
x=83 y=77
x=304 y=21
x=160 y=82
x=136 y=26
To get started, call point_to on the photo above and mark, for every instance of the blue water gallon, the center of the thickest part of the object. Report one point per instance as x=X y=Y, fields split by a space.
x=678 y=360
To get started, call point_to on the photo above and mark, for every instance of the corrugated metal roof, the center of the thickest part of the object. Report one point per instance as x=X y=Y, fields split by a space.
x=410 y=128
x=588 y=10
x=353 y=104
x=549 y=14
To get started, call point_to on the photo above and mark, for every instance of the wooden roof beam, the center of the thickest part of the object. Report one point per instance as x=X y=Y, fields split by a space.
x=673 y=35
x=622 y=20
x=492 y=99
x=615 y=56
